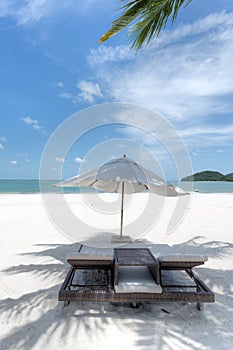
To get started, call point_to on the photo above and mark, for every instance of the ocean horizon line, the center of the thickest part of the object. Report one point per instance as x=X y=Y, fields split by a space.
x=47 y=186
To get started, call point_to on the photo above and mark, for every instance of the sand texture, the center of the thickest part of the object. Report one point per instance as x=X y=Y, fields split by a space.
x=33 y=266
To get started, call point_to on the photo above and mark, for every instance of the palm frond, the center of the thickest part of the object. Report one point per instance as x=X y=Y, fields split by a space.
x=150 y=16
x=132 y=11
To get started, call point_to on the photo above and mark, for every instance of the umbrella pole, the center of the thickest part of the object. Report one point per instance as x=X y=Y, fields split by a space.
x=122 y=206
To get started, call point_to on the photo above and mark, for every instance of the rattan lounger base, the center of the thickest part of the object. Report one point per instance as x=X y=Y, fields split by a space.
x=194 y=292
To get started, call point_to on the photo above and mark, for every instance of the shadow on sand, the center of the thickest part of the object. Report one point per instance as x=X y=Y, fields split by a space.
x=37 y=319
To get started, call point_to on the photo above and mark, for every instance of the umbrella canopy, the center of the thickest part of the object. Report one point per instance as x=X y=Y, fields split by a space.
x=123 y=175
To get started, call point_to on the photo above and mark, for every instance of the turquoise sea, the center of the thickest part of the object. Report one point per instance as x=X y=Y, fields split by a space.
x=36 y=186
x=33 y=186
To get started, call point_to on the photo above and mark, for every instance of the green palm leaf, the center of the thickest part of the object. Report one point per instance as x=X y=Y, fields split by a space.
x=150 y=17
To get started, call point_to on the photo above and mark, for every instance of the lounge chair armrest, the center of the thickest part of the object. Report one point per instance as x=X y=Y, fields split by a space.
x=183 y=258
x=89 y=256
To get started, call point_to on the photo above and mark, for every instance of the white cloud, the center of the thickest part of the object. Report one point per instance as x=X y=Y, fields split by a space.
x=59 y=159
x=110 y=54
x=79 y=160
x=14 y=162
x=59 y=84
x=206 y=136
x=29 y=120
x=138 y=134
x=37 y=127
x=2 y=140
x=148 y=142
x=29 y=11
x=26 y=11
x=89 y=90
x=33 y=122
x=24 y=156
x=200 y=27
x=5 y=8
x=32 y=11
x=187 y=73
x=68 y=96
x=225 y=131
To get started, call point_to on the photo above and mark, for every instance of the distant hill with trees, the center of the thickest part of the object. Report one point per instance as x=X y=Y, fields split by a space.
x=208 y=176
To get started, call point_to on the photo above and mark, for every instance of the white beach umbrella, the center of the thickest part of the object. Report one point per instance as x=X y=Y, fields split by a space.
x=123 y=175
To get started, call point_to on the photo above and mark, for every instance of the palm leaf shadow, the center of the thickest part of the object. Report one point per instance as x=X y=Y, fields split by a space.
x=42 y=317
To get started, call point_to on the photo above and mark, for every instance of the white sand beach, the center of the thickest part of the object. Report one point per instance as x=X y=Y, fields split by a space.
x=33 y=266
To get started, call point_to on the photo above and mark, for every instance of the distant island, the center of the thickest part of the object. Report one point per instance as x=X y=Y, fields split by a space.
x=208 y=176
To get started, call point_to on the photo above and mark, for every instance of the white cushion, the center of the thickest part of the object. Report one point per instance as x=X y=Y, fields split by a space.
x=136 y=279
x=183 y=258
x=89 y=256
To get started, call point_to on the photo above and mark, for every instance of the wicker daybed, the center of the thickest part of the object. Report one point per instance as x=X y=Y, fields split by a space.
x=104 y=276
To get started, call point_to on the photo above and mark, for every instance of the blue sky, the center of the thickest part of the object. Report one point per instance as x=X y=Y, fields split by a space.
x=51 y=67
